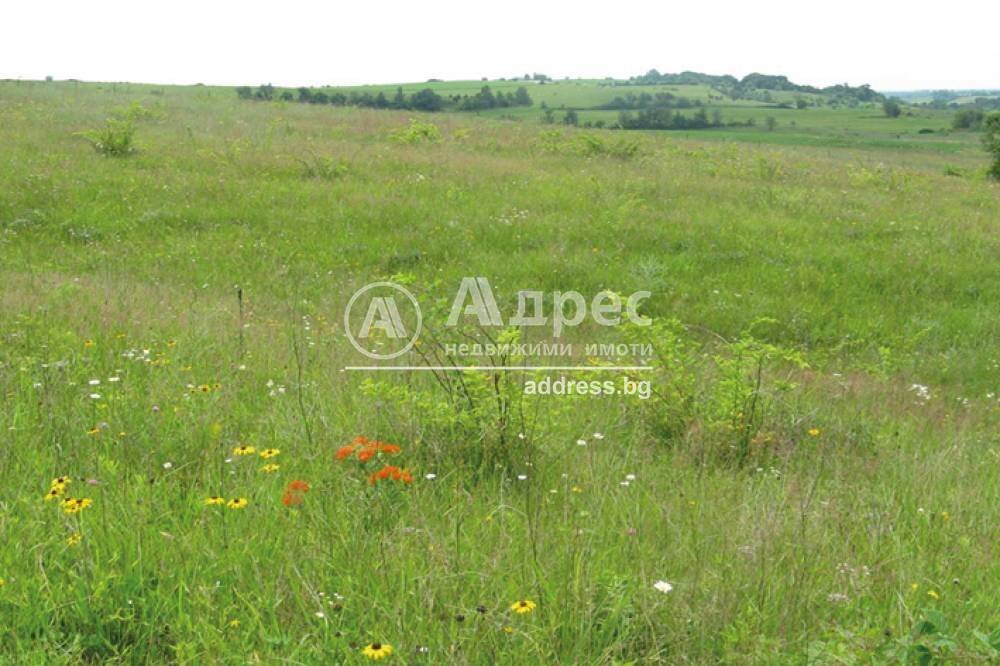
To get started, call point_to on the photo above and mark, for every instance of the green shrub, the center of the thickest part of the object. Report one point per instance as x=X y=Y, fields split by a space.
x=991 y=139
x=115 y=139
x=326 y=168
x=416 y=132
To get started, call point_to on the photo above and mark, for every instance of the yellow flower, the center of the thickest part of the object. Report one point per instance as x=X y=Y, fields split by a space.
x=75 y=504
x=2 y=582
x=215 y=500
x=914 y=586
x=74 y=539
x=508 y=630
x=61 y=482
x=523 y=606
x=171 y=343
x=244 y=450
x=205 y=388
x=95 y=431
x=933 y=595
x=53 y=493
x=814 y=432
x=269 y=453
x=234 y=623
x=237 y=503
x=377 y=650
x=270 y=467
x=577 y=489
x=88 y=343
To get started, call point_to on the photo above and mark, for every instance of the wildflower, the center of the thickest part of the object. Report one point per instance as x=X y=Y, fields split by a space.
x=269 y=453
x=933 y=595
x=320 y=614
x=204 y=388
x=366 y=449
x=95 y=431
x=663 y=586
x=75 y=505
x=270 y=467
x=598 y=435
x=74 y=539
x=814 y=432
x=522 y=477
x=390 y=472
x=88 y=343
x=59 y=484
x=237 y=503
x=523 y=606
x=215 y=500
x=576 y=489
x=430 y=476
x=168 y=465
x=377 y=650
x=837 y=598
x=234 y=623
x=244 y=450
x=294 y=492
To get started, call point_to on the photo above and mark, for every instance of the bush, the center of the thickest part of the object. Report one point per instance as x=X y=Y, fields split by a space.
x=115 y=139
x=991 y=140
x=968 y=119
x=891 y=108
x=416 y=132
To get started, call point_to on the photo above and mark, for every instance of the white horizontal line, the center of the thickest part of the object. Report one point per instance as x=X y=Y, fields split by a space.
x=489 y=368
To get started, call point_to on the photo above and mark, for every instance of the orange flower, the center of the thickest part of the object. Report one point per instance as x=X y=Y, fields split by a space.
x=390 y=472
x=368 y=449
x=294 y=493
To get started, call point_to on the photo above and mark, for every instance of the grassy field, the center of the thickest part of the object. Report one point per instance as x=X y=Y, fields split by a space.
x=816 y=476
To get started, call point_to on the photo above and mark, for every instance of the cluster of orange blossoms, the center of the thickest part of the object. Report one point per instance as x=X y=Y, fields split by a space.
x=294 y=493
x=365 y=449
x=390 y=472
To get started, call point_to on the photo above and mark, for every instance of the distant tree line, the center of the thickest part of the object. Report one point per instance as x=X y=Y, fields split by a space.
x=756 y=86
x=422 y=100
x=658 y=118
x=660 y=100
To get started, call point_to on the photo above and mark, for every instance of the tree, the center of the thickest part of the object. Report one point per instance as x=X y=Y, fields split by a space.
x=571 y=118
x=771 y=123
x=399 y=101
x=521 y=96
x=968 y=119
x=426 y=100
x=991 y=140
x=244 y=92
x=891 y=108
x=265 y=92
x=801 y=103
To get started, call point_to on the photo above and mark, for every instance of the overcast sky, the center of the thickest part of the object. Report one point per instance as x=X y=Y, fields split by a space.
x=892 y=45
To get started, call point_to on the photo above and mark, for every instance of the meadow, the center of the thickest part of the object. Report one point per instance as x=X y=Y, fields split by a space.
x=188 y=475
